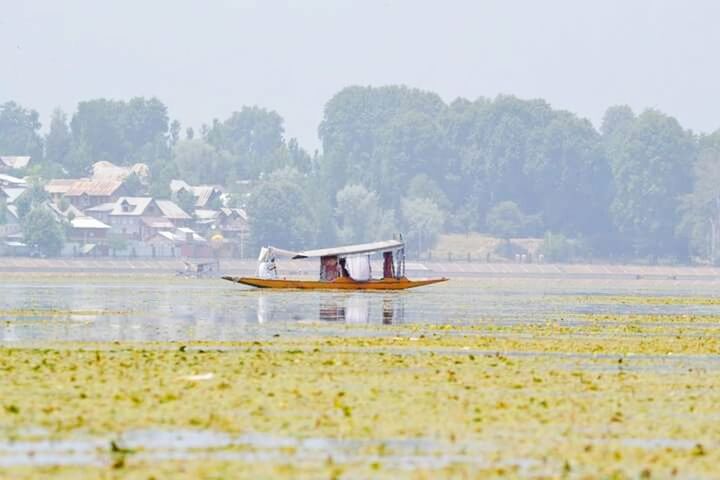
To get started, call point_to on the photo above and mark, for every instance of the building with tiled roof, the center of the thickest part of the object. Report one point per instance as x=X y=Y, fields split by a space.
x=86 y=193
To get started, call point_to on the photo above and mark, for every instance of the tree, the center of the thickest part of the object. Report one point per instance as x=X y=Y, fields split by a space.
x=42 y=231
x=359 y=216
x=199 y=162
x=58 y=142
x=381 y=137
x=134 y=186
x=506 y=220
x=186 y=200
x=19 y=129
x=422 y=186
x=30 y=199
x=492 y=143
x=254 y=138
x=701 y=208
x=651 y=163
x=175 y=128
x=122 y=132
x=569 y=176
x=423 y=221
x=280 y=215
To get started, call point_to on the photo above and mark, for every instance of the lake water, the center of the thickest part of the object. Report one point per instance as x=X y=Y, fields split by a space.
x=170 y=309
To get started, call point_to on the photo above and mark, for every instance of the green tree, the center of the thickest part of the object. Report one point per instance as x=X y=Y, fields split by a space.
x=19 y=131
x=360 y=217
x=58 y=141
x=701 y=208
x=201 y=163
x=651 y=163
x=280 y=215
x=122 y=132
x=254 y=138
x=423 y=220
x=569 y=176
x=381 y=137
x=422 y=186
x=42 y=231
x=134 y=186
x=506 y=220
x=175 y=128
x=31 y=198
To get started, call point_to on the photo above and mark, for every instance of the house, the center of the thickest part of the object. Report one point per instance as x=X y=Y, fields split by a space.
x=127 y=215
x=87 y=237
x=205 y=219
x=228 y=226
x=171 y=211
x=57 y=188
x=87 y=230
x=183 y=241
x=139 y=218
x=11 y=223
x=85 y=193
x=233 y=222
x=8 y=162
x=205 y=195
x=101 y=212
x=10 y=194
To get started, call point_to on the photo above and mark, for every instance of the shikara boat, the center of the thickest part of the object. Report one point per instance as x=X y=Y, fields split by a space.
x=341 y=268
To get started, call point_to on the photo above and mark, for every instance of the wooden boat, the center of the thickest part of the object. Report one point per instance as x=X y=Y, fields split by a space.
x=341 y=268
x=337 y=284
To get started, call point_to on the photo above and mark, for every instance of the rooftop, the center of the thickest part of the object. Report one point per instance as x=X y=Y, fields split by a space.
x=88 y=223
x=135 y=205
x=60 y=185
x=96 y=188
x=171 y=210
x=13 y=161
x=10 y=180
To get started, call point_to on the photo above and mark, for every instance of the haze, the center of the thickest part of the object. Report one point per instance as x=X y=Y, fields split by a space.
x=207 y=59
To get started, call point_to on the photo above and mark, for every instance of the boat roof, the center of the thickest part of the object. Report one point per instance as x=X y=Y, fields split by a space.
x=383 y=246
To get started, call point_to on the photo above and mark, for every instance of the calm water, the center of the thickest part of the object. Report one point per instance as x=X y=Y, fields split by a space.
x=93 y=309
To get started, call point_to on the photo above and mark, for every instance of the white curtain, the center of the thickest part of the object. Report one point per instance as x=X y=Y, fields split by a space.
x=359 y=267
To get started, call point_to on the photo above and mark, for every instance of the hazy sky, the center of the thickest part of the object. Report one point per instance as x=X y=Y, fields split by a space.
x=207 y=59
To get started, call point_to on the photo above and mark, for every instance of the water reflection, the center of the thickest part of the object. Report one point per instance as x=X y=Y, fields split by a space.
x=359 y=308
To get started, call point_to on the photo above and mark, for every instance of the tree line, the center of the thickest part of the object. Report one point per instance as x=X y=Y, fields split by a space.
x=400 y=159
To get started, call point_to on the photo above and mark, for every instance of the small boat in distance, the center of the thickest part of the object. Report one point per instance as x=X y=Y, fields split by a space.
x=341 y=268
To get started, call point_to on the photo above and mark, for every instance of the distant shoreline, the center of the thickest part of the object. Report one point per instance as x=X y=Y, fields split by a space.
x=418 y=269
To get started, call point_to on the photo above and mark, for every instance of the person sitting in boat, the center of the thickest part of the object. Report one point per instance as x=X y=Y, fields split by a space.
x=343 y=268
x=267 y=269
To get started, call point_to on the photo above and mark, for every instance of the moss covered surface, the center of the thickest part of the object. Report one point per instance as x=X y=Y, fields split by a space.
x=521 y=400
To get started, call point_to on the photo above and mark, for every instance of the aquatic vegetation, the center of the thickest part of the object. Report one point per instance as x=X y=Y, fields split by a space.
x=642 y=300
x=459 y=382
x=519 y=411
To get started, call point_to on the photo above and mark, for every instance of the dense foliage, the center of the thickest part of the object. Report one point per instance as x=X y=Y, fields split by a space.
x=396 y=159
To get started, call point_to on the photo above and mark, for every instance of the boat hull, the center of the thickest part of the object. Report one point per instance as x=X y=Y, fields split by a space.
x=337 y=284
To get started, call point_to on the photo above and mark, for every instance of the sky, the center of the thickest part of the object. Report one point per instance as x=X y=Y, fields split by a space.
x=206 y=59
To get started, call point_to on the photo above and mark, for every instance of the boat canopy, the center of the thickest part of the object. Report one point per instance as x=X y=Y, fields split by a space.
x=266 y=253
x=384 y=246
